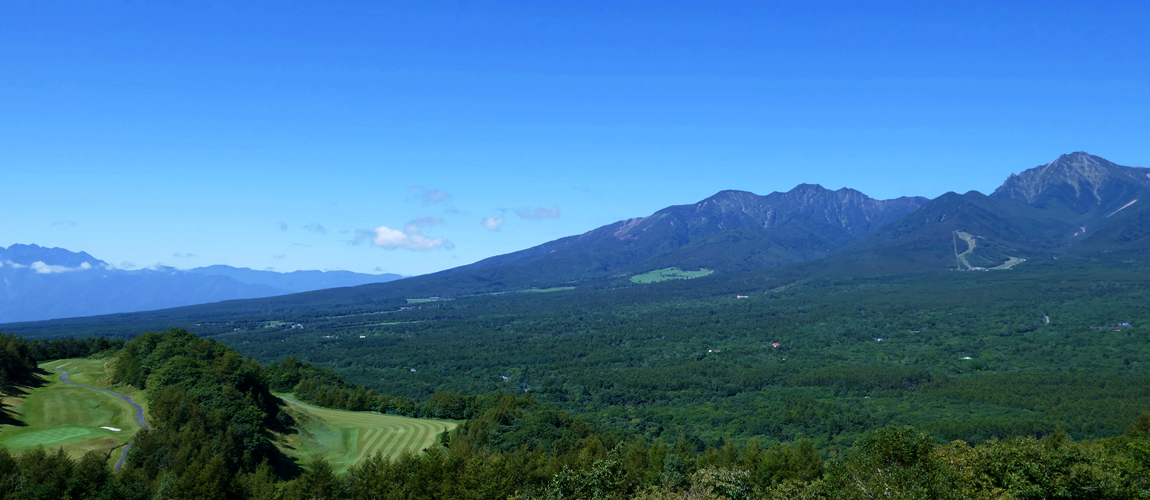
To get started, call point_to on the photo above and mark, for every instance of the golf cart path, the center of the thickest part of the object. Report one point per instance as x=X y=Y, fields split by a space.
x=139 y=410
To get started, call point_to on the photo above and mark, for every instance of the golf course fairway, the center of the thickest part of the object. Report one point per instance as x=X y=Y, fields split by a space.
x=60 y=415
x=346 y=437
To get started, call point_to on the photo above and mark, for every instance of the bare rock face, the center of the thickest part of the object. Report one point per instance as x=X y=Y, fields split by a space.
x=1080 y=182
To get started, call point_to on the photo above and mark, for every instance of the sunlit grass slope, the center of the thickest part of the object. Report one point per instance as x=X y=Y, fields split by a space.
x=60 y=415
x=346 y=437
x=670 y=273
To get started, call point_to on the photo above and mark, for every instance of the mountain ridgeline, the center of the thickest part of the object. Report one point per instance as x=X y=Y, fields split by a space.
x=730 y=231
x=1078 y=205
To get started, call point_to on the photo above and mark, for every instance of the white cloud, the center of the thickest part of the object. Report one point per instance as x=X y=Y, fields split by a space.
x=539 y=213
x=410 y=238
x=492 y=223
x=41 y=268
x=386 y=237
x=183 y=255
x=127 y=265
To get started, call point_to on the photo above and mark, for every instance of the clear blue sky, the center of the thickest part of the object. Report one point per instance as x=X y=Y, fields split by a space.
x=280 y=134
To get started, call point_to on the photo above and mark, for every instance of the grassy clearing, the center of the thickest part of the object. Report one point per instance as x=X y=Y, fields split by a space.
x=346 y=437
x=60 y=415
x=552 y=289
x=670 y=273
x=1011 y=262
x=529 y=290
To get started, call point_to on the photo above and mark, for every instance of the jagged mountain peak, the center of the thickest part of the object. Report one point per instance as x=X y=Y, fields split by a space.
x=1079 y=180
x=845 y=208
x=727 y=231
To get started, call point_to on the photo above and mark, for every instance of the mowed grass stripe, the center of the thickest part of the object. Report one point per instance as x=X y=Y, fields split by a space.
x=377 y=439
x=410 y=441
x=346 y=437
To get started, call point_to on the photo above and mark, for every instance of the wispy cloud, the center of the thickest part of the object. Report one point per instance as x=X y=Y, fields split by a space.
x=316 y=228
x=127 y=265
x=283 y=226
x=409 y=238
x=279 y=256
x=492 y=223
x=430 y=196
x=64 y=223
x=539 y=213
x=183 y=255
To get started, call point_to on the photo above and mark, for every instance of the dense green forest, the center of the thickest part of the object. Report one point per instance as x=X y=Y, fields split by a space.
x=214 y=422
x=817 y=384
x=962 y=355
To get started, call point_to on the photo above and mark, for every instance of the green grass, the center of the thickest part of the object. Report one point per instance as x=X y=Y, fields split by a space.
x=346 y=437
x=670 y=273
x=552 y=289
x=60 y=415
x=1013 y=261
x=529 y=290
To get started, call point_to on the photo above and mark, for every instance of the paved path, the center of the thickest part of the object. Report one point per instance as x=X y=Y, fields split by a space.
x=139 y=411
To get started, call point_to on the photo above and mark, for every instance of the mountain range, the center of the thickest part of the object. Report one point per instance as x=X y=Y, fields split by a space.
x=46 y=283
x=1076 y=206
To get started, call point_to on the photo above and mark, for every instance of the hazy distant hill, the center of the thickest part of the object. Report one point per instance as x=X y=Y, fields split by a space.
x=295 y=281
x=45 y=283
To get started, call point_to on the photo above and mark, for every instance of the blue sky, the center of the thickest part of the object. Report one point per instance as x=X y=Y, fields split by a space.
x=410 y=139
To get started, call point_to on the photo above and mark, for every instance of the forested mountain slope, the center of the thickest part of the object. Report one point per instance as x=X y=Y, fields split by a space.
x=730 y=231
x=1076 y=206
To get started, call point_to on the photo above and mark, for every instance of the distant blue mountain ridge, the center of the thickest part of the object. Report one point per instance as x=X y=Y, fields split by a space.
x=47 y=283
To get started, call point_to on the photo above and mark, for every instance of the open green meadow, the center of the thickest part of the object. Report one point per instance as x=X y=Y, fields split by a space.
x=670 y=273
x=59 y=415
x=346 y=437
